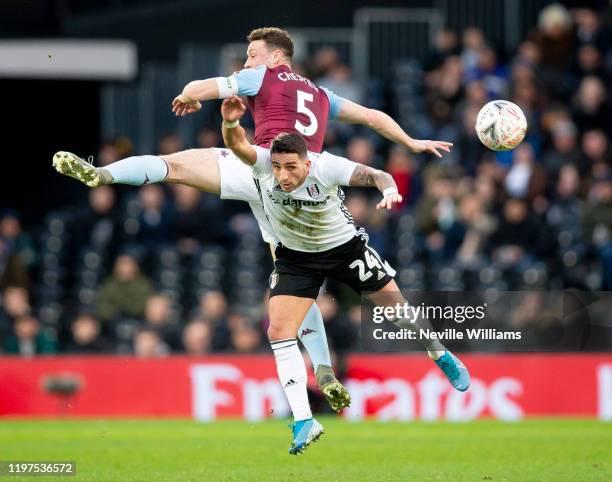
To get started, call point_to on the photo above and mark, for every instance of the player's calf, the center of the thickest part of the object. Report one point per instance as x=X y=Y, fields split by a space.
x=197 y=168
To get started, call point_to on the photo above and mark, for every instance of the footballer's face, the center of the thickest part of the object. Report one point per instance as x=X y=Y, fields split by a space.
x=258 y=53
x=290 y=170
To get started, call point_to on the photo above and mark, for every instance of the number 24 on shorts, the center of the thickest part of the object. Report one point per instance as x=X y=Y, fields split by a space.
x=371 y=261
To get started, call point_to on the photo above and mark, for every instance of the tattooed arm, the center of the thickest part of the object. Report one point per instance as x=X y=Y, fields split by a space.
x=366 y=176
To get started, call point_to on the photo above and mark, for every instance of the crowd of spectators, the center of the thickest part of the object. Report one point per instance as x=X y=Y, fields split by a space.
x=547 y=204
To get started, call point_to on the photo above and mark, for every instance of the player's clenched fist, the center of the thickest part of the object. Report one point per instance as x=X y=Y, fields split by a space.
x=232 y=108
x=183 y=105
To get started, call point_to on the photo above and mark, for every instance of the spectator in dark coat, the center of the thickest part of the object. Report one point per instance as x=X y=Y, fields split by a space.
x=519 y=237
x=28 y=339
x=86 y=336
x=125 y=292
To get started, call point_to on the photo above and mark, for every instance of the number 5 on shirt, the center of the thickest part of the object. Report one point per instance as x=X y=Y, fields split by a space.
x=309 y=130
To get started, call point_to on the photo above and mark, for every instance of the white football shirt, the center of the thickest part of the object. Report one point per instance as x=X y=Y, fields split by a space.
x=312 y=217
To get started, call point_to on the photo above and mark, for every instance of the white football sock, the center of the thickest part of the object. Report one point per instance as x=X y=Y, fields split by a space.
x=312 y=335
x=138 y=170
x=292 y=375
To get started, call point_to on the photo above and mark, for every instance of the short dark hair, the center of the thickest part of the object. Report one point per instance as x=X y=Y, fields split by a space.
x=275 y=38
x=289 y=143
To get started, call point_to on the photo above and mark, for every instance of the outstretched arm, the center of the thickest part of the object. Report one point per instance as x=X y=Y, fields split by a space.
x=188 y=101
x=382 y=123
x=245 y=82
x=207 y=89
x=383 y=181
x=234 y=135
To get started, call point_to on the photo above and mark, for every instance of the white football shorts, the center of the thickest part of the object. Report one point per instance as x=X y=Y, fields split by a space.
x=237 y=183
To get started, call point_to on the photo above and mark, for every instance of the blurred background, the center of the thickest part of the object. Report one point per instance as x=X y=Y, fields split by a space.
x=166 y=269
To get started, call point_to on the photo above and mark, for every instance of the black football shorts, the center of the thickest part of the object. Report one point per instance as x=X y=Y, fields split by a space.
x=355 y=263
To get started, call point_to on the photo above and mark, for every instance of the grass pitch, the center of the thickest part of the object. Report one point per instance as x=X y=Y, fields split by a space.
x=183 y=450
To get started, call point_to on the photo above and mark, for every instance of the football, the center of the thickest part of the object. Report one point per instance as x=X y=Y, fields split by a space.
x=501 y=125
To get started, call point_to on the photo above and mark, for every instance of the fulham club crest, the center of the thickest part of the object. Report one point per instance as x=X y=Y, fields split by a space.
x=314 y=191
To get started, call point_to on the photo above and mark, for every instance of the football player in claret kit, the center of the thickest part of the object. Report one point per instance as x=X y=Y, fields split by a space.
x=302 y=198
x=281 y=101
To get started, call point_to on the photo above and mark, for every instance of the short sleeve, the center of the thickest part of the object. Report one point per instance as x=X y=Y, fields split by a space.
x=249 y=80
x=335 y=103
x=335 y=170
x=263 y=164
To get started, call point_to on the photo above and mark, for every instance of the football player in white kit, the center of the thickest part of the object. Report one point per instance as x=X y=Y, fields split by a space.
x=275 y=109
x=303 y=201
